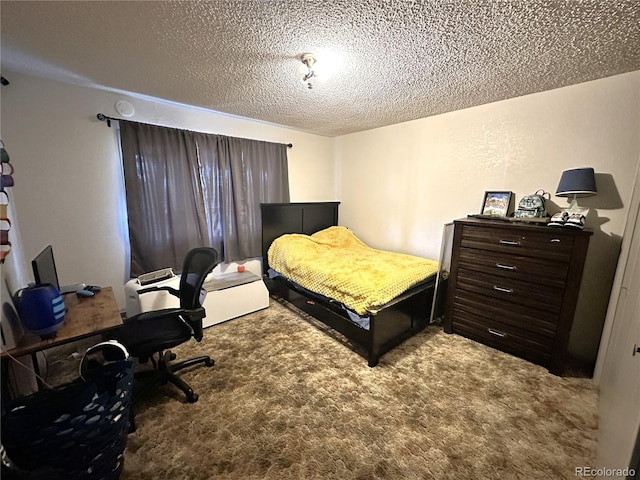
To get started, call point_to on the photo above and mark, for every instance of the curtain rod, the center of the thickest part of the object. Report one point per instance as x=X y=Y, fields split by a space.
x=103 y=118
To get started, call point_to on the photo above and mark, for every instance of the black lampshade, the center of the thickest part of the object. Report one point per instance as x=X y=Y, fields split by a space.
x=577 y=182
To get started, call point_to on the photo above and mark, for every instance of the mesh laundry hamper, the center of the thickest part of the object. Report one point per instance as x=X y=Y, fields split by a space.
x=76 y=431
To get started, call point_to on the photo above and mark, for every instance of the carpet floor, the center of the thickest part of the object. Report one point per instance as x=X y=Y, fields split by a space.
x=287 y=401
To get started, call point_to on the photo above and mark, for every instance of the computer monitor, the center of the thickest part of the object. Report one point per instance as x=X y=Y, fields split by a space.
x=44 y=268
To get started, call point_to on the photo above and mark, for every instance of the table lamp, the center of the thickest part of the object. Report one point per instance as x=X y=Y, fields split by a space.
x=577 y=182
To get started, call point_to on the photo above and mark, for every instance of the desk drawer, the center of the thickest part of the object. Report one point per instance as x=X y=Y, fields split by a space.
x=547 y=272
x=548 y=244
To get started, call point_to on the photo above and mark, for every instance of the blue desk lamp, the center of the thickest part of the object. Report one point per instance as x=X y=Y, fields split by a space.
x=577 y=182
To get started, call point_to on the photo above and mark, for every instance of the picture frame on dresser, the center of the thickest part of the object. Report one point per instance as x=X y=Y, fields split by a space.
x=497 y=203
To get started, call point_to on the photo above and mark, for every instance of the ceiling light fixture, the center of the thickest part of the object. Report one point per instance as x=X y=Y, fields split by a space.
x=309 y=59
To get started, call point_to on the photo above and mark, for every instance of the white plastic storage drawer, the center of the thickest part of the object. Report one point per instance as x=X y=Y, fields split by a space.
x=228 y=296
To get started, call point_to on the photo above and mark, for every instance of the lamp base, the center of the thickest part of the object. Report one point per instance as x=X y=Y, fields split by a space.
x=575 y=208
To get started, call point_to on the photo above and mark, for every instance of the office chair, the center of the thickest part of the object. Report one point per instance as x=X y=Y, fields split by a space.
x=154 y=333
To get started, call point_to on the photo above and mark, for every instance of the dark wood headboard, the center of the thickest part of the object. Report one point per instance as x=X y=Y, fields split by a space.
x=281 y=218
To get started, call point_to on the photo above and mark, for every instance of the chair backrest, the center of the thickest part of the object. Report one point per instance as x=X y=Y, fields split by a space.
x=197 y=265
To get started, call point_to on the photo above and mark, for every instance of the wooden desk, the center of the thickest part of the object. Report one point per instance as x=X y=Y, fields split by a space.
x=85 y=317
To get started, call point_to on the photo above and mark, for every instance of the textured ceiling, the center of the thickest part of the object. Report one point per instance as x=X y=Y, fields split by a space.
x=392 y=61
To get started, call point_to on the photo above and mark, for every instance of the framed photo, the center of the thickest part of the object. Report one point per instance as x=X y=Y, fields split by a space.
x=497 y=204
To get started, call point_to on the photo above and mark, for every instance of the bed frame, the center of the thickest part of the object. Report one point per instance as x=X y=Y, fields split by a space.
x=401 y=318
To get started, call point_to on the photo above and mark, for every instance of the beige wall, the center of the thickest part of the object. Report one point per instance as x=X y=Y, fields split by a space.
x=69 y=190
x=400 y=184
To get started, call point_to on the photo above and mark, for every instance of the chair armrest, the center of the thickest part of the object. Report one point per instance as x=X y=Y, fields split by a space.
x=173 y=291
x=192 y=319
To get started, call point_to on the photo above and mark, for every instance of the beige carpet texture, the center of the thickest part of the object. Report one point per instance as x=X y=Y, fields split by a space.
x=286 y=400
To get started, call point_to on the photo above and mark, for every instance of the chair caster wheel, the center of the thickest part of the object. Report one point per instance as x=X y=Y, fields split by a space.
x=172 y=356
x=192 y=397
x=210 y=362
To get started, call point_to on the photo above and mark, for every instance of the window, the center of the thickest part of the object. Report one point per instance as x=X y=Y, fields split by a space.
x=187 y=189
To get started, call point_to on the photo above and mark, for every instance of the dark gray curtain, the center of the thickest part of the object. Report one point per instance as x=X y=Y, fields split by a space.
x=240 y=174
x=188 y=189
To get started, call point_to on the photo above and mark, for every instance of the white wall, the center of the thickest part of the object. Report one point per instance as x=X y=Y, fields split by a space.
x=69 y=188
x=400 y=184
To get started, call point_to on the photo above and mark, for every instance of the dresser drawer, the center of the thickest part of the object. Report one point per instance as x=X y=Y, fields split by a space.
x=549 y=272
x=517 y=292
x=546 y=243
x=504 y=337
x=521 y=317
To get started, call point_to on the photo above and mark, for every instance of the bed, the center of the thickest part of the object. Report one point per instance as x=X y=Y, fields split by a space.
x=389 y=324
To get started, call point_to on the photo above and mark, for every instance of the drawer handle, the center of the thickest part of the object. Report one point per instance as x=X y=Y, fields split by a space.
x=496 y=333
x=503 y=290
x=555 y=240
x=506 y=267
x=511 y=243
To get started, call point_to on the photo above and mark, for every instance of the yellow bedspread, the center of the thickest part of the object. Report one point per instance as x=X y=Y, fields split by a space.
x=335 y=263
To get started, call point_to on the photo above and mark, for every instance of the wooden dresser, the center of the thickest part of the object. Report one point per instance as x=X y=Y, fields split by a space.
x=514 y=287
